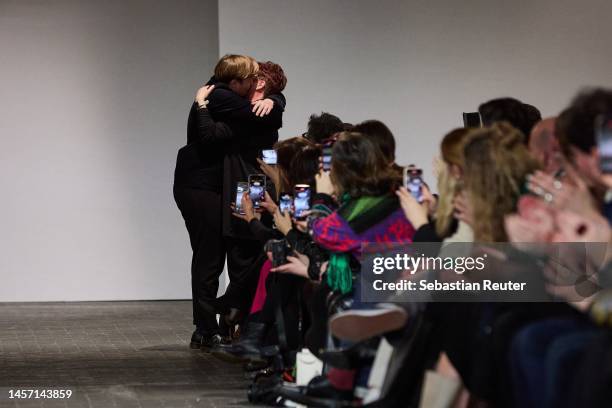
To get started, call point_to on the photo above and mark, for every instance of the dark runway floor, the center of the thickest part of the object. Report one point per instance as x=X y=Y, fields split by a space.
x=111 y=354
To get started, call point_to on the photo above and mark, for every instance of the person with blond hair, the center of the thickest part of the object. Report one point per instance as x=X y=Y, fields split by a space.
x=225 y=130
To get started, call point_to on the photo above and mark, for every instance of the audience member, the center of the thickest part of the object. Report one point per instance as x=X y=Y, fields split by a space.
x=521 y=181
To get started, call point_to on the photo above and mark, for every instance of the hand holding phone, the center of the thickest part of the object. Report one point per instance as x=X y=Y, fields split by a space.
x=414 y=182
x=286 y=203
x=301 y=201
x=241 y=188
x=269 y=156
x=257 y=189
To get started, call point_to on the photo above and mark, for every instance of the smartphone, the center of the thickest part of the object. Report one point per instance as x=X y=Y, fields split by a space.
x=413 y=181
x=603 y=129
x=286 y=203
x=471 y=120
x=326 y=156
x=257 y=188
x=241 y=188
x=301 y=200
x=268 y=156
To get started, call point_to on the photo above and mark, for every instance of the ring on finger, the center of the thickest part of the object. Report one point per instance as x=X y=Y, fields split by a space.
x=548 y=197
x=557 y=184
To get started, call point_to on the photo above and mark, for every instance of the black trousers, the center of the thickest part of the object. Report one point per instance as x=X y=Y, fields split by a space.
x=201 y=210
x=284 y=295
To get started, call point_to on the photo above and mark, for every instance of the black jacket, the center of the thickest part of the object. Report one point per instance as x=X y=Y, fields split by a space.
x=231 y=128
x=223 y=143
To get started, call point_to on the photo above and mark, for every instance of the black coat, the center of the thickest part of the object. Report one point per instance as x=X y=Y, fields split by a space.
x=223 y=144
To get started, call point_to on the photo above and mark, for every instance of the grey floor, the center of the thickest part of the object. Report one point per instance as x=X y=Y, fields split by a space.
x=111 y=354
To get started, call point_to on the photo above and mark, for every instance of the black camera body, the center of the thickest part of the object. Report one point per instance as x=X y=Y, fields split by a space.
x=280 y=250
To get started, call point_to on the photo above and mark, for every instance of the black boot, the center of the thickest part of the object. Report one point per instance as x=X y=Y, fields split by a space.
x=356 y=356
x=233 y=316
x=246 y=348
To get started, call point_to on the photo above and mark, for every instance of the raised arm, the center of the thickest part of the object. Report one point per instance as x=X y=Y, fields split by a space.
x=226 y=106
x=201 y=127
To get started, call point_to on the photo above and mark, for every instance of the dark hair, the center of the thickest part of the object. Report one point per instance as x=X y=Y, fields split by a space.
x=286 y=151
x=359 y=167
x=575 y=126
x=520 y=115
x=274 y=76
x=533 y=115
x=304 y=167
x=380 y=134
x=323 y=127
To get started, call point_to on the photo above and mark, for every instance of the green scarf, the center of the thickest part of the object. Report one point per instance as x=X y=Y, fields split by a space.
x=339 y=273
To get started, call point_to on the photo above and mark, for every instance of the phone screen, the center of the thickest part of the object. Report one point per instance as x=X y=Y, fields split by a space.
x=471 y=120
x=326 y=156
x=241 y=188
x=257 y=188
x=286 y=203
x=301 y=202
x=604 y=142
x=269 y=156
x=414 y=182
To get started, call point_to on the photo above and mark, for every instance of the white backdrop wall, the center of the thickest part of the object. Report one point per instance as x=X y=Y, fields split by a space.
x=94 y=102
x=417 y=65
x=94 y=99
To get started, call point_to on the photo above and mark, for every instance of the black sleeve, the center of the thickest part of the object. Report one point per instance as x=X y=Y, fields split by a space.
x=297 y=239
x=201 y=128
x=316 y=257
x=426 y=233
x=261 y=232
x=231 y=108
x=278 y=99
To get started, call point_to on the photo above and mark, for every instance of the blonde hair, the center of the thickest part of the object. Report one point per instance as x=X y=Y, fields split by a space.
x=496 y=163
x=451 y=149
x=232 y=66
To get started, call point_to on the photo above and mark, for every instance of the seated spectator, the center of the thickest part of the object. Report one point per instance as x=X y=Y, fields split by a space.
x=322 y=127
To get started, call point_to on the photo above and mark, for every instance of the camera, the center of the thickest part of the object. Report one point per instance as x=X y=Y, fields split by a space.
x=280 y=250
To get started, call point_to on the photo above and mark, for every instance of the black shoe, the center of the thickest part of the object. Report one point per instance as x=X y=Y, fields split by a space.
x=253 y=366
x=196 y=339
x=245 y=349
x=214 y=341
x=320 y=387
x=203 y=341
x=318 y=393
